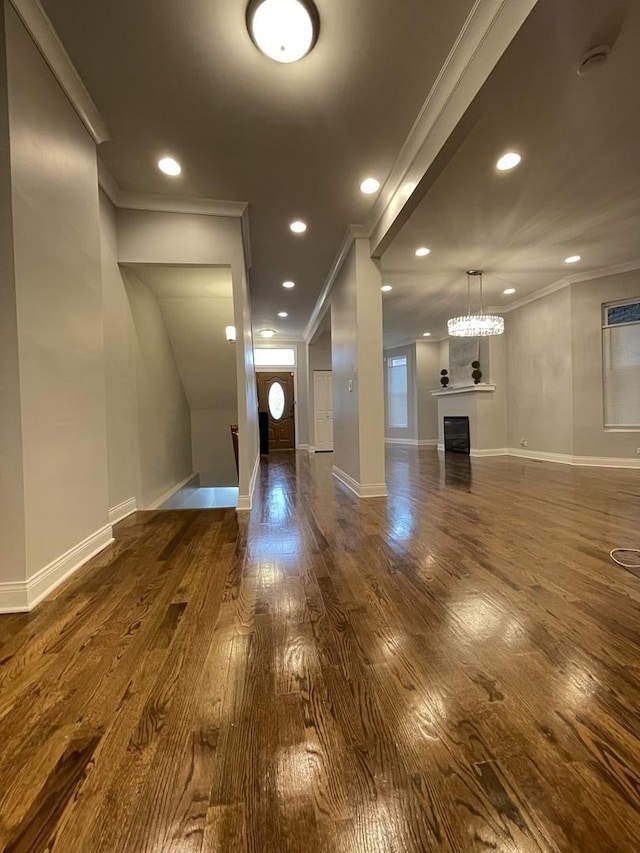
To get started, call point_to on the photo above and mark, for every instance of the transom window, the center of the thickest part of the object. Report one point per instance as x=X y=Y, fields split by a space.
x=273 y=357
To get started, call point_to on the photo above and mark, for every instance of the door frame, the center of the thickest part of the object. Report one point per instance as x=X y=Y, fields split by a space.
x=288 y=369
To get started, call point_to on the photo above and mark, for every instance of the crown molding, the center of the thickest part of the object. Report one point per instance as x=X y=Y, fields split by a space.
x=489 y=29
x=170 y=204
x=351 y=234
x=566 y=281
x=50 y=46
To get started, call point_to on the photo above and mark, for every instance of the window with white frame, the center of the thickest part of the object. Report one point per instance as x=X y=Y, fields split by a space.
x=397 y=392
x=621 y=364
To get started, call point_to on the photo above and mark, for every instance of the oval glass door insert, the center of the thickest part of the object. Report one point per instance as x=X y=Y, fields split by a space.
x=276 y=401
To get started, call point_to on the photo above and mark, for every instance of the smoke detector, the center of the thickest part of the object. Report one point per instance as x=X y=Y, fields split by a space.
x=593 y=59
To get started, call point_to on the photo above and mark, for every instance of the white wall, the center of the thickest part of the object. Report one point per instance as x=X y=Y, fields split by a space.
x=59 y=308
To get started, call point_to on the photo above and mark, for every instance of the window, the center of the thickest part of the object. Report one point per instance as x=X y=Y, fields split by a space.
x=397 y=388
x=276 y=401
x=621 y=365
x=271 y=357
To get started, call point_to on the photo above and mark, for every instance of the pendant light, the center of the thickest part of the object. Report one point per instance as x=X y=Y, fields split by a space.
x=475 y=325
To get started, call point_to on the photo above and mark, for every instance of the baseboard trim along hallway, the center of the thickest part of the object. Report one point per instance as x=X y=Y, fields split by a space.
x=120 y=511
x=22 y=596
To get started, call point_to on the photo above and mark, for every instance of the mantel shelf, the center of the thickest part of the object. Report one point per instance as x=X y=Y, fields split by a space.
x=464 y=389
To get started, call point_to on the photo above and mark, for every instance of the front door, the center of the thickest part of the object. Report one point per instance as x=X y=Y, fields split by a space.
x=276 y=396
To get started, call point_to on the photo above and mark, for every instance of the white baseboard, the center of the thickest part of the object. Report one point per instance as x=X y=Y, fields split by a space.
x=540 y=455
x=21 y=597
x=171 y=492
x=311 y=449
x=122 y=510
x=369 y=490
x=413 y=442
x=302 y=447
x=559 y=458
x=245 y=502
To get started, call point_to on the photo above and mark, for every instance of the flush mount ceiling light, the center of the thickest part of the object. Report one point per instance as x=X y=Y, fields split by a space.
x=230 y=334
x=267 y=333
x=282 y=314
x=169 y=166
x=288 y=284
x=386 y=288
x=508 y=161
x=426 y=334
x=509 y=291
x=572 y=259
x=298 y=227
x=284 y=30
x=370 y=186
x=422 y=252
x=478 y=325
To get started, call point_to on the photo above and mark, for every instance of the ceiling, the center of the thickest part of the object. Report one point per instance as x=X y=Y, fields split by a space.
x=196 y=305
x=576 y=191
x=294 y=141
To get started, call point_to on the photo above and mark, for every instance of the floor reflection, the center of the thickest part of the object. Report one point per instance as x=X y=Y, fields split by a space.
x=457 y=470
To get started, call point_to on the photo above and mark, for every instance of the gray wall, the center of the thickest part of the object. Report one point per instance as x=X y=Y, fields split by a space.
x=539 y=374
x=212 y=448
x=344 y=354
x=59 y=308
x=428 y=366
x=12 y=532
x=149 y=237
x=162 y=415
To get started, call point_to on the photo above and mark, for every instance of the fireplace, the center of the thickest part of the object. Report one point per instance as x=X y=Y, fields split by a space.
x=456 y=435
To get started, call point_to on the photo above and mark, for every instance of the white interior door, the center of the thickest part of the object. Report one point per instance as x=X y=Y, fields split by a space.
x=323 y=409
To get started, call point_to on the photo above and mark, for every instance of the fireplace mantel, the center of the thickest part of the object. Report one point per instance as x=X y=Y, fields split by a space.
x=464 y=389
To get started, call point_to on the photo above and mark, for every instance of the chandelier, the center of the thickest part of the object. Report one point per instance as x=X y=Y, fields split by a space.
x=475 y=325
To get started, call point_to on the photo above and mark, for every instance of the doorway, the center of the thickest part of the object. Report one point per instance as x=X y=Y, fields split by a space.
x=276 y=400
x=323 y=409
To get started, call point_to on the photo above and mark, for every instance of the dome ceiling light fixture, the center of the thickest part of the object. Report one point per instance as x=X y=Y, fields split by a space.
x=284 y=30
x=478 y=325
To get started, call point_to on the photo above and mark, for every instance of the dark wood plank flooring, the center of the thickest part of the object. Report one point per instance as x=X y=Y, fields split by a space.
x=454 y=668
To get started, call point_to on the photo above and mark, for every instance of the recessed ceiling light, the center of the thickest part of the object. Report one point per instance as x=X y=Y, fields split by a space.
x=298 y=227
x=426 y=334
x=169 y=166
x=509 y=291
x=508 y=161
x=370 y=186
x=572 y=259
x=288 y=284
x=386 y=288
x=267 y=333
x=422 y=252
x=282 y=314
x=284 y=30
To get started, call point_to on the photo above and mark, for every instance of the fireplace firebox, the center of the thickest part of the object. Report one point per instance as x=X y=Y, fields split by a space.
x=456 y=435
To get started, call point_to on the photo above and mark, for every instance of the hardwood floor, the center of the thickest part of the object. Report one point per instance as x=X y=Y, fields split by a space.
x=455 y=668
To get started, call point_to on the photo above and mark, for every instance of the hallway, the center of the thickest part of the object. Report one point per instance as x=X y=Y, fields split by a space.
x=454 y=668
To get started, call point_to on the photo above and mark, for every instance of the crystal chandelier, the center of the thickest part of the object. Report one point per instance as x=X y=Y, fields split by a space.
x=475 y=325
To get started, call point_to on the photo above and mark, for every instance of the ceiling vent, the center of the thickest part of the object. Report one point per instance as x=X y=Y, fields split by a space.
x=593 y=59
